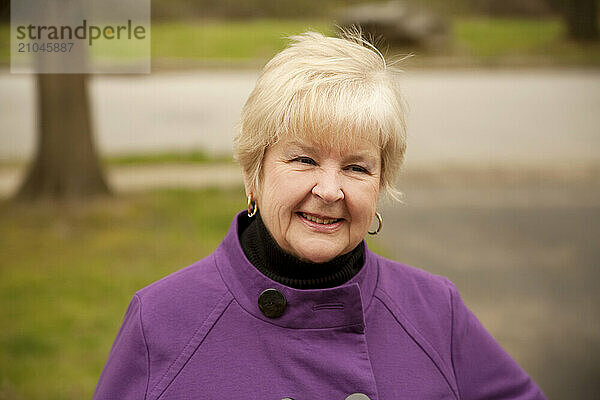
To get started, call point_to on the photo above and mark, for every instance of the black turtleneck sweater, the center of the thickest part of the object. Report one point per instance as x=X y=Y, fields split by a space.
x=271 y=260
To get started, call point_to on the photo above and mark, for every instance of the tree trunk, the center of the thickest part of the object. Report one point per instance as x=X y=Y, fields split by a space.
x=66 y=165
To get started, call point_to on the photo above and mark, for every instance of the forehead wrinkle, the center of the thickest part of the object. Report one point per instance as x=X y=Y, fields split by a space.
x=302 y=145
x=353 y=155
x=339 y=135
x=365 y=155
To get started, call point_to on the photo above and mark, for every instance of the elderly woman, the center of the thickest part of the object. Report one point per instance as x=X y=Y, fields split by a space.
x=292 y=304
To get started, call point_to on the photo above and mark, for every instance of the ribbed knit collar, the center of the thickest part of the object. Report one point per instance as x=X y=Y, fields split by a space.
x=272 y=261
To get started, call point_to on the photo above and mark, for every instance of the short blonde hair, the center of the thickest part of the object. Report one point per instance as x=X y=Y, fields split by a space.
x=332 y=91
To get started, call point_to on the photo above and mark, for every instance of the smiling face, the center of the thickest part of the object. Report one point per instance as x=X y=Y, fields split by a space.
x=318 y=203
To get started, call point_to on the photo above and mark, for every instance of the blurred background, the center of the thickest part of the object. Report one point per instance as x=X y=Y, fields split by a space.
x=110 y=182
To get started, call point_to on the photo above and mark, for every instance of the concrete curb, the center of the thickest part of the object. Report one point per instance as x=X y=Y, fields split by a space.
x=125 y=179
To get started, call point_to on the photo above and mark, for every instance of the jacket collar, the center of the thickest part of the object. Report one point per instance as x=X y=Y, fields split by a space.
x=311 y=309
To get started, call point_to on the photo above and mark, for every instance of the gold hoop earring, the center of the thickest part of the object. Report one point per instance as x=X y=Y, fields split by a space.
x=380 y=220
x=252 y=207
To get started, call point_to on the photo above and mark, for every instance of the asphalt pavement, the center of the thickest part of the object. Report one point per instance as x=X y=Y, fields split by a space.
x=491 y=116
x=523 y=249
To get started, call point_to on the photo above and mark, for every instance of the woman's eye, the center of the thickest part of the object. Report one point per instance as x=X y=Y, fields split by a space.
x=357 y=168
x=306 y=160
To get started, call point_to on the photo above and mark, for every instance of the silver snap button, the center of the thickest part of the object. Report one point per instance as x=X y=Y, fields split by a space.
x=358 y=396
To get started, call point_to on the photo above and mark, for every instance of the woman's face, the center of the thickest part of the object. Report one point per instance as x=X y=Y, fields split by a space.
x=318 y=203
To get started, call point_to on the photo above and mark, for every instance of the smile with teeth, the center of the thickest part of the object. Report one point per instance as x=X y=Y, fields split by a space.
x=322 y=221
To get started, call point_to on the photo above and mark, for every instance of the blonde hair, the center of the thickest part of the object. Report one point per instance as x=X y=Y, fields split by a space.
x=331 y=91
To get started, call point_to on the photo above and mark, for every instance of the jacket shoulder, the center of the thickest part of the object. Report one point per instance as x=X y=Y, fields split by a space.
x=192 y=284
x=421 y=302
x=175 y=313
x=414 y=289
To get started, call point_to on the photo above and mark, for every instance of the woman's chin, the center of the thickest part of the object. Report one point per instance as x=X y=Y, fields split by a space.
x=318 y=254
x=320 y=260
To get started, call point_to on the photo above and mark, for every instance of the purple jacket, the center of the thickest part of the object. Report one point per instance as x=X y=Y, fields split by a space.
x=392 y=332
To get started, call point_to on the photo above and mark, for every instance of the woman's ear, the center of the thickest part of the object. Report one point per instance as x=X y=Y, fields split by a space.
x=248 y=185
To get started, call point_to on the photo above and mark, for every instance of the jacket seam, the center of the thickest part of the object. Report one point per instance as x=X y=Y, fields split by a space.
x=375 y=286
x=145 y=345
x=449 y=287
x=165 y=380
x=416 y=340
x=177 y=358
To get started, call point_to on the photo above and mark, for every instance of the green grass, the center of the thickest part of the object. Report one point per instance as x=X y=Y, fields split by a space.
x=190 y=157
x=197 y=156
x=5 y=43
x=113 y=49
x=539 y=40
x=498 y=41
x=483 y=37
x=208 y=40
x=227 y=40
x=67 y=275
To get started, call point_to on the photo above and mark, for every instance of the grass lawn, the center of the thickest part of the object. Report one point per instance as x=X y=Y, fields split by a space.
x=497 y=41
x=188 y=157
x=67 y=275
x=228 y=40
x=494 y=40
x=194 y=156
x=483 y=37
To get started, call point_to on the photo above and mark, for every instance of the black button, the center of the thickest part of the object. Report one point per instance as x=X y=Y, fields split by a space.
x=271 y=303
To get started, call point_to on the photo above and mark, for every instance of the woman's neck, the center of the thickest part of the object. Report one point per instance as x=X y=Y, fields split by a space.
x=270 y=259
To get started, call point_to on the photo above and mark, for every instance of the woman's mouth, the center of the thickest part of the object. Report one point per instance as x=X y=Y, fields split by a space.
x=319 y=220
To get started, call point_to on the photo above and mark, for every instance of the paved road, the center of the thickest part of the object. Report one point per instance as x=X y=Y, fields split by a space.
x=127 y=179
x=455 y=116
x=523 y=250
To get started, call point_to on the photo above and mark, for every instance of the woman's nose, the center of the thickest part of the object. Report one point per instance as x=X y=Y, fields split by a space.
x=328 y=187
